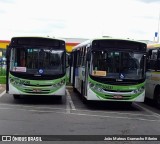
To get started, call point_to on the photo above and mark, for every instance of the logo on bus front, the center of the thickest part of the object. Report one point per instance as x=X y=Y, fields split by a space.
x=121 y=76
x=40 y=71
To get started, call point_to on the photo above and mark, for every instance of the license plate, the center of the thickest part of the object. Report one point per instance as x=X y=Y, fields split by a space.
x=36 y=90
x=118 y=96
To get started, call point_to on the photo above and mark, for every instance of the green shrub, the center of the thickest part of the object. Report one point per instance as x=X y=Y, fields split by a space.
x=2 y=71
x=2 y=79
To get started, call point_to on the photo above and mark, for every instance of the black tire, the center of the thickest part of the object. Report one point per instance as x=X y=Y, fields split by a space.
x=63 y=99
x=82 y=93
x=74 y=89
x=84 y=100
x=16 y=96
x=157 y=99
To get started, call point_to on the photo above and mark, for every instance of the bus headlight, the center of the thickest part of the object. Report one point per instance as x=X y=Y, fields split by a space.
x=59 y=84
x=91 y=85
x=15 y=82
x=96 y=87
x=99 y=89
x=140 y=90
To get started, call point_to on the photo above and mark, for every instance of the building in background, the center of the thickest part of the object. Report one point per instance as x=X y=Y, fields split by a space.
x=3 y=46
x=71 y=42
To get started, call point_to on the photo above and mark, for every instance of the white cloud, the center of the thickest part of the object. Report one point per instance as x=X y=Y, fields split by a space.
x=79 y=18
x=150 y=1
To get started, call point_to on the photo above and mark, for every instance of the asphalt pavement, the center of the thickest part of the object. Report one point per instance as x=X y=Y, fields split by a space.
x=2 y=88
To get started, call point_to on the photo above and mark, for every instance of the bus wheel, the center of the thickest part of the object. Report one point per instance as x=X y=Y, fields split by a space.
x=62 y=99
x=157 y=99
x=82 y=93
x=16 y=96
x=74 y=89
x=84 y=100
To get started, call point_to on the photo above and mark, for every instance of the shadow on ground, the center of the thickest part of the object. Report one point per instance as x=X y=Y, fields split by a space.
x=40 y=100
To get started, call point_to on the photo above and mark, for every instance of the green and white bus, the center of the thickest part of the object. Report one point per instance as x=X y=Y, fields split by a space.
x=36 y=66
x=153 y=73
x=109 y=69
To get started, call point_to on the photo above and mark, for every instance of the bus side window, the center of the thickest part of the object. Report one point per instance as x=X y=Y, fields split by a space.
x=158 y=60
x=148 y=60
x=78 y=58
x=152 y=60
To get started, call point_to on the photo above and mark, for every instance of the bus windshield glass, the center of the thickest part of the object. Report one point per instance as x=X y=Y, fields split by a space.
x=45 y=61
x=117 y=64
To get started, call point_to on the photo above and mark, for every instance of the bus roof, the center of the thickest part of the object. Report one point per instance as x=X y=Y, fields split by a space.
x=39 y=41
x=104 y=38
x=38 y=37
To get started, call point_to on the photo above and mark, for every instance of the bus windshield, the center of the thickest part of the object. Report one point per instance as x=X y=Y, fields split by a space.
x=117 y=64
x=42 y=60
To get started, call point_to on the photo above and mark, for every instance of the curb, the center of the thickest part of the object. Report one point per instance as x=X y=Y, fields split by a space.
x=70 y=87
x=2 y=93
x=2 y=88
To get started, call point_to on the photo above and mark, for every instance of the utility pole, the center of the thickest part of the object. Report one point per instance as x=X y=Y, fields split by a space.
x=158 y=27
x=156 y=36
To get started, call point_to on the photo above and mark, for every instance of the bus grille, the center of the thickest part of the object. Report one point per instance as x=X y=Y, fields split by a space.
x=118 y=90
x=38 y=89
x=119 y=97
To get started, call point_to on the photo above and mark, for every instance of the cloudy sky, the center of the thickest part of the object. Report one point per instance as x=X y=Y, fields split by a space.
x=135 y=19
